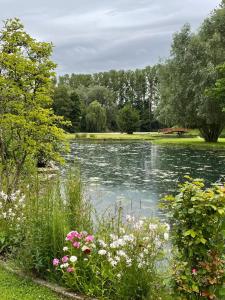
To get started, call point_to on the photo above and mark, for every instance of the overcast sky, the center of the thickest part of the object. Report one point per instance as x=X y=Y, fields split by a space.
x=99 y=35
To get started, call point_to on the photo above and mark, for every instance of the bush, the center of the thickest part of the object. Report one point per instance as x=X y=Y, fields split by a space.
x=197 y=215
x=124 y=264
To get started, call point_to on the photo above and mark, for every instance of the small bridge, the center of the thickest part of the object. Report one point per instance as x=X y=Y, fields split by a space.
x=179 y=131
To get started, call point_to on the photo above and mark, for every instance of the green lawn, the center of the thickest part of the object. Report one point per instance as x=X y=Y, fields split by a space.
x=194 y=142
x=192 y=139
x=15 y=288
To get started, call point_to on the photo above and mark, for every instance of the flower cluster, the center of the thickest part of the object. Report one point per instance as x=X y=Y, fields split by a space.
x=11 y=207
x=79 y=243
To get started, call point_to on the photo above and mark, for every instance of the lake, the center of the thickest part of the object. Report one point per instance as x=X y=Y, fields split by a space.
x=137 y=174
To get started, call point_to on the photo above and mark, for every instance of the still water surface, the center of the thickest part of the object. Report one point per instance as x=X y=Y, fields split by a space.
x=138 y=174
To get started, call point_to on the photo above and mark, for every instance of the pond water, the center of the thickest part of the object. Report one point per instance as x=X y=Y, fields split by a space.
x=137 y=174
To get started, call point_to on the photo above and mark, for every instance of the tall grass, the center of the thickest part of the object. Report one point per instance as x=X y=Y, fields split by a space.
x=54 y=206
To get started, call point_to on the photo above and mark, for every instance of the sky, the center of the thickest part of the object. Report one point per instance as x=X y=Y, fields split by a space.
x=99 y=35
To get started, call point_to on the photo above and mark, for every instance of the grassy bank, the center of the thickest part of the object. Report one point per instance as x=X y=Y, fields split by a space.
x=192 y=139
x=193 y=142
x=13 y=287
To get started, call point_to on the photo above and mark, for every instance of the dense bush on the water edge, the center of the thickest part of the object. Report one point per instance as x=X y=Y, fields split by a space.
x=47 y=228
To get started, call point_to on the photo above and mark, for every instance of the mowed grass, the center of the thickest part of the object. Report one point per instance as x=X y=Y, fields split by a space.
x=190 y=139
x=112 y=136
x=193 y=142
x=16 y=288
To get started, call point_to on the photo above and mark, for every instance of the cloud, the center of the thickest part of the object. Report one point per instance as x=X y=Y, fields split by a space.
x=96 y=35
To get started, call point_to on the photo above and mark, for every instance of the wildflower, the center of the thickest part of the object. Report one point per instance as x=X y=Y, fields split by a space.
x=86 y=250
x=152 y=226
x=128 y=238
x=102 y=243
x=113 y=236
x=70 y=270
x=73 y=234
x=65 y=259
x=65 y=248
x=118 y=275
x=55 y=262
x=121 y=253
x=102 y=252
x=89 y=238
x=166 y=236
x=129 y=218
x=128 y=262
x=113 y=263
x=66 y=265
x=73 y=259
x=76 y=245
x=194 y=271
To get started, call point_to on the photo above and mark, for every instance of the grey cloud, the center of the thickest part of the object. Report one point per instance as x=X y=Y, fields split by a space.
x=97 y=35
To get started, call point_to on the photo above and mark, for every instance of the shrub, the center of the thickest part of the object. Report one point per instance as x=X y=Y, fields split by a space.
x=116 y=265
x=197 y=215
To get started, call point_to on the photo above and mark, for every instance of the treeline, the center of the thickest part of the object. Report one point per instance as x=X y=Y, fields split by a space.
x=187 y=90
x=99 y=101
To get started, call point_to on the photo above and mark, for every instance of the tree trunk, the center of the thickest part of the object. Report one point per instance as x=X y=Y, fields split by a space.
x=211 y=133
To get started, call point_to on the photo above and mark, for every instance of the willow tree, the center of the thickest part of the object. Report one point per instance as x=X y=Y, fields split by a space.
x=189 y=73
x=28 y=125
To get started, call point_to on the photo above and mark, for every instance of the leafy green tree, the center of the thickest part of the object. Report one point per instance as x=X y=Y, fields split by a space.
x=192 y=70
x=28 y=125
x=128 y=119
x=95 y=117
x=68 y=105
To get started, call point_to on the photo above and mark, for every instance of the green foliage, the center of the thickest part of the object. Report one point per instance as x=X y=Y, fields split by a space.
x=191 y=70
x=27 y=124
x=53 y=206
x=119 y=262
x=115 y=89
x=197 y=215
x=128 y=119
x=95 y=117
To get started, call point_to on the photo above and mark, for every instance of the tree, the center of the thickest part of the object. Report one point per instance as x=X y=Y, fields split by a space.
x=28 y=125
x=68 y=105
x=189 y=73
x=128 y=119
x=95 y=117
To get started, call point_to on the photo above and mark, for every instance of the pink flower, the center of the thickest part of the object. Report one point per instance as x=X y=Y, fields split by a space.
x=65 y=259
x=55 y=262
x=76 y=245
x=89 y=238
x=194 y=271
x=73 y=234
x=70 y=270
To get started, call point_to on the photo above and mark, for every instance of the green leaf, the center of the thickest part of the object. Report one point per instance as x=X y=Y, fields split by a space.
x=190 y=232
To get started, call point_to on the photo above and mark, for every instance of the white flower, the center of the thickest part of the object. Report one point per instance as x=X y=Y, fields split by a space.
x=66 y=265
x=65 y=248
x=118 y=275
x=113 y=236
x=129 y=262
x=166 y=236
x=102 y=243
x=121 y=253
x=117 y=258
x=102 y=252
x=129 y=218
x=167 y=226
x=145 y=251
x=128 y=238
x=73 y=259
x=153 y=226
x=4 y=215
x=122 y=230
x=113 y=263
